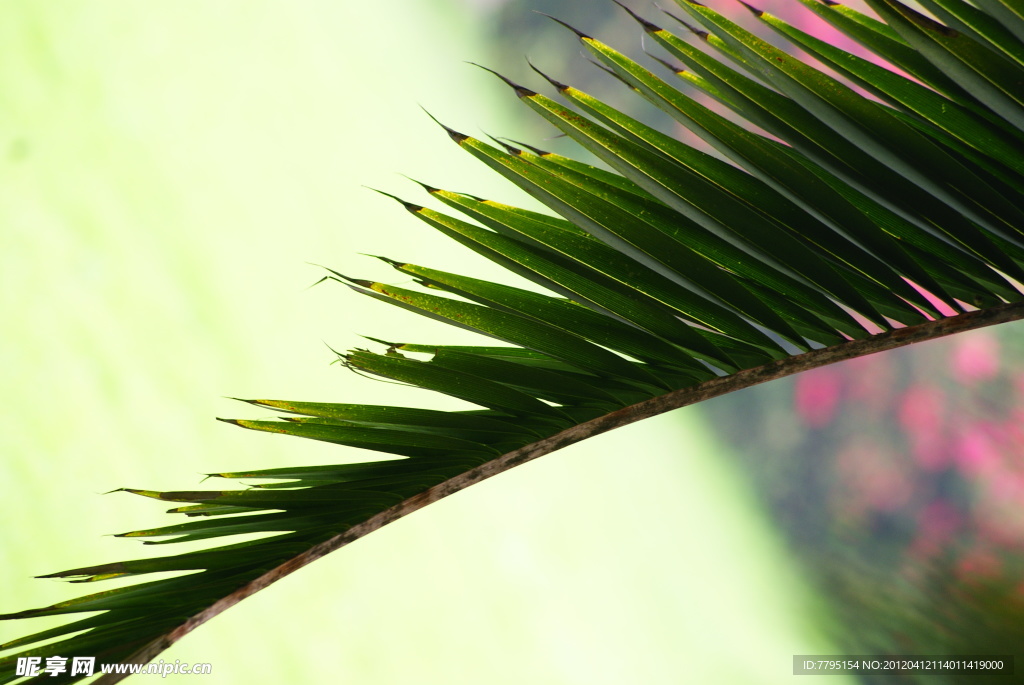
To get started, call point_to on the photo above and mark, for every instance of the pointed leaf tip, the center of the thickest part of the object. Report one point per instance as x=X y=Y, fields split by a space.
x=606 y=70
x=579 y=34
x=357 y=281
x=426 y=187
x=700 y=33
x=387 y=260
x=671 y=67
x=558 y=85
x=408 y=205
x=753 y=10
x=511 y=149
x=527 y=146
x=452 y=133
x=519 y=90
x=648 y=26
x=381 y=342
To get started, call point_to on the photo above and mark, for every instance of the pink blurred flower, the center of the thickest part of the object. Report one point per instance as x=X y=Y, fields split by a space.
x=976 y=453
x=922 y=415
x=975 y=358
x=816 y=396
x=868 y=378
x=921 y=409
x=1007 y=487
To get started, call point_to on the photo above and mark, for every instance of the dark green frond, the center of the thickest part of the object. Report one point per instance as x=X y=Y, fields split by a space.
x=833 y=225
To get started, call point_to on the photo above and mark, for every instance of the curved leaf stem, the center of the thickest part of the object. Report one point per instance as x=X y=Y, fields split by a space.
x=658 y=405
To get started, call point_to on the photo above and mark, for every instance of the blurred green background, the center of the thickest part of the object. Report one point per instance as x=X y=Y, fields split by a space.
x=169 y=170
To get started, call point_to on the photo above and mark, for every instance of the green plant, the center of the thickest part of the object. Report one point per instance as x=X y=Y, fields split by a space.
x=677 y=277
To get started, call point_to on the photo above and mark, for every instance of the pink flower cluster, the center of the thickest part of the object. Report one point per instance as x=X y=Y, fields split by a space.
x=945 y=451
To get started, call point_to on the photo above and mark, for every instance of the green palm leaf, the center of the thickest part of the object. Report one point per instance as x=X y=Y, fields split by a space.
x=855 y=226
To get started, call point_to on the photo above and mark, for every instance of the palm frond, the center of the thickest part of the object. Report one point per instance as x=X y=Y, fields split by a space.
x=835 y=224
